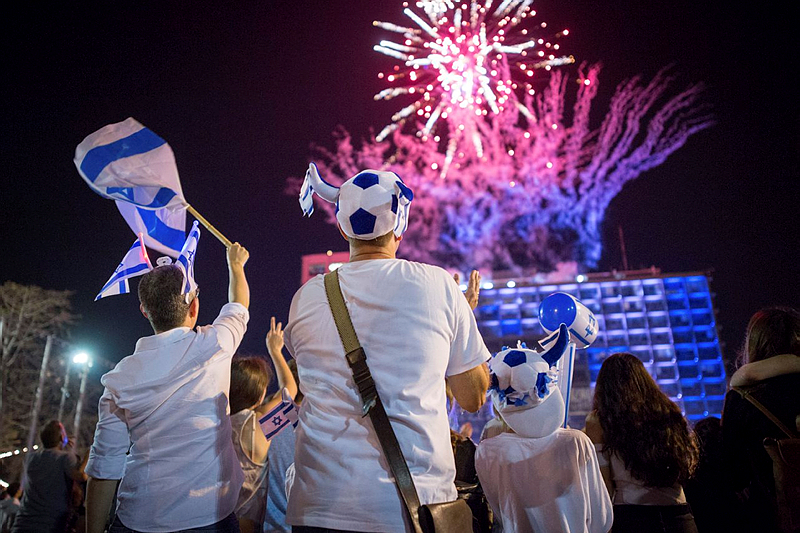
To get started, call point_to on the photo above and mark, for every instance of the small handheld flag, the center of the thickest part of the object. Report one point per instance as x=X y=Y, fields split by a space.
x=281 y=416
x=186 y=258
x=135 y=263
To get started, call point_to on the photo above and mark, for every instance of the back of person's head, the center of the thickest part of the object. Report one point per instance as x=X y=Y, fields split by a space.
x=773 y=331
x=52 y=434
x=293 y=368
x=641 y=424
x=161 y=296
x=708 y=433
x=249 y=379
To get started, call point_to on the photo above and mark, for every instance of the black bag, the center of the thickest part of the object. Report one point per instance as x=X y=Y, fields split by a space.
x=785 y=455
x=447 y=517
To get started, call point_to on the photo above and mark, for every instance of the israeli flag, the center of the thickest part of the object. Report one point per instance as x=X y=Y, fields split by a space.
x=186 y=258
x=129 y=163
x=281 y=416
x=135 y=263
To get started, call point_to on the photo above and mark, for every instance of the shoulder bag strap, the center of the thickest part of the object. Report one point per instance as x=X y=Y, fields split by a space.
x=370 y=401
x=749 y=397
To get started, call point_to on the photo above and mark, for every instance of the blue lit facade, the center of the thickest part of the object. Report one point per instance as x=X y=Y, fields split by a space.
x=666 y=320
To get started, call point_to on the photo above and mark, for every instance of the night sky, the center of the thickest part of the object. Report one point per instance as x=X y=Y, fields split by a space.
x=241 y=92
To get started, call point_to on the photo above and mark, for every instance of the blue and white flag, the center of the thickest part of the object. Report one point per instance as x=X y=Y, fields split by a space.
x=129 y=163
x=281 y=416
x=135 y=263
x=186 y=258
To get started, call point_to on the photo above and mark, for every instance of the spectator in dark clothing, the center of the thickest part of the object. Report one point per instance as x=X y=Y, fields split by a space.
x=464 y=454
x=713 y=503
x=771 y=332
x=50 y=474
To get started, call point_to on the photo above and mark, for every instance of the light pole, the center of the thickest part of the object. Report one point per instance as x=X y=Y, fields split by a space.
x=37 y=405
x=81 y=358
x=64 y=393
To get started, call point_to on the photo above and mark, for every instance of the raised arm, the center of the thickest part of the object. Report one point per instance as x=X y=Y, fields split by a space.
x=472 y=294
x=282 y=371
x=238 y=290
x=752 y=373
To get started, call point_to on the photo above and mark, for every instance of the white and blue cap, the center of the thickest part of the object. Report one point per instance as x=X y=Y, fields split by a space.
x=370 y=204
x=524 y=387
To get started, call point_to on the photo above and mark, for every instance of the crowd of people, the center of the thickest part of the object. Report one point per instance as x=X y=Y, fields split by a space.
x=178 y=444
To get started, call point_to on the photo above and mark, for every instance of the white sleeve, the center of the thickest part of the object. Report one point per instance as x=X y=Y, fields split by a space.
x=111 y=441
x=230 y=326
x=467 y=349
x=600 y=514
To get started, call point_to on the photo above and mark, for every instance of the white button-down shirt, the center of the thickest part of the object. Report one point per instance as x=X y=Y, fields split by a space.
x=168 y=404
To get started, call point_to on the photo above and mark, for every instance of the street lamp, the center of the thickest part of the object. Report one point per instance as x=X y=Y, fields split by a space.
x=83 y=359
x=80 y=358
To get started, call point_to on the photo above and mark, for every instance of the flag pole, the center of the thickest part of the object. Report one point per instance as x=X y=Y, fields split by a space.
x=200 y=218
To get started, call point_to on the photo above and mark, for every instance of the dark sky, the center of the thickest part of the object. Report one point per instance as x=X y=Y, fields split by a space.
x=242 y=91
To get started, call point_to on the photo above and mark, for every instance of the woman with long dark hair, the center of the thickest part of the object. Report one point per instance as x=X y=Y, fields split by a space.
x=773 y=339
x=645 y=449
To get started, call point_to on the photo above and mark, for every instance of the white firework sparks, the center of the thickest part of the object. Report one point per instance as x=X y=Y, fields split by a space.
x=464 y=62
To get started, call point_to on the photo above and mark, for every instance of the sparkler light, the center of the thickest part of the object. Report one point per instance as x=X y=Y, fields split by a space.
x=464 y=63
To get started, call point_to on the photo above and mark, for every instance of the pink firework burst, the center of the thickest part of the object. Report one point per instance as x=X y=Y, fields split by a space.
x=465 y=63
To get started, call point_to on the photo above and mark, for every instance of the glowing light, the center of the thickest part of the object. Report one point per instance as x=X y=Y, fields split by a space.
x=80 y=358
x=488 y=285
x=511 y=284
x=580 y=278
x=329 y=253
x=459 y=57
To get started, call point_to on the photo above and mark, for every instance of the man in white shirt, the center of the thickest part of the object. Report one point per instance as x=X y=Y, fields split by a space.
x=416 y=329
x=163 y=425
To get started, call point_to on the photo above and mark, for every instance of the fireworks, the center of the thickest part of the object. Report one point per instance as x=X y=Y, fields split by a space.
x=537 y=197
x=464 y=63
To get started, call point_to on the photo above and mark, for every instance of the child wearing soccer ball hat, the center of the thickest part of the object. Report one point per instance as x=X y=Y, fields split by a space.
x=539 y=476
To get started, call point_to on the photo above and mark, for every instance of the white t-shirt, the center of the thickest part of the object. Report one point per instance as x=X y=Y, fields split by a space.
x=416 y=328
x=168 y=403
x=549 y=484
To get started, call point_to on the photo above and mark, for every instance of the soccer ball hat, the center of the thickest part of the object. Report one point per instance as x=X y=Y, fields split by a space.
x=524 y=387
x=370 y=204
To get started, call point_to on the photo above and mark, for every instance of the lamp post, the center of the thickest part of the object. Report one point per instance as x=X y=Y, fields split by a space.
x=81 y=358
x=64 y=393
x=37 y=405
